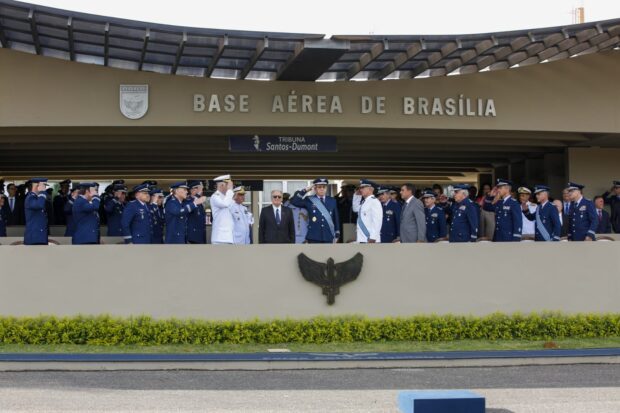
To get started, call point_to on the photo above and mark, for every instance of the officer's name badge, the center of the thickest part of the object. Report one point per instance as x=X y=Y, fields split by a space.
x=389 y=212
x=506 y=208
x=434 y=215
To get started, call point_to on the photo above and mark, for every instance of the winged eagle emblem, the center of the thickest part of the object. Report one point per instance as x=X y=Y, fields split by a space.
x=133 y=105
x=330 y=276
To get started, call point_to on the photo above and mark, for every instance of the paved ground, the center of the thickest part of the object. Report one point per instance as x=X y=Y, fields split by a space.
x=565 y=389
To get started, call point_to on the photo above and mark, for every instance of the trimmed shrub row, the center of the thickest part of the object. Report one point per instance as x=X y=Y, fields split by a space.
x=107 y=330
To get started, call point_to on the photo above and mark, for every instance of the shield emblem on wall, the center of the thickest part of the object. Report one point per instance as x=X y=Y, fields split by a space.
x=134 y=100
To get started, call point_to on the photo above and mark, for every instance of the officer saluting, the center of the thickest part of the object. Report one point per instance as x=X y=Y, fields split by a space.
x=157 y=215
x=68 y=210
x=465 y=221
x=323 y=219
x=582 y=217
x=390 y=229
x=508 y=218
x=86 y=215
x=176 y=213
x=197 y=219
x=36 y=216
x=114 y=207
x=436 y=229
x=221 y=201
x=136 y=222
x=546 y=218
x=369 y=213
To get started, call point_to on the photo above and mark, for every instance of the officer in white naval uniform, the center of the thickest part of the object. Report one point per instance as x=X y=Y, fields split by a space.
x=369 y=213
x=221 y=201
x=243 y=219
x=529 y=227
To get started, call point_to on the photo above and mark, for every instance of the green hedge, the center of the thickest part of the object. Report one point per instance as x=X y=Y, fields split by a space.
x=106 y=330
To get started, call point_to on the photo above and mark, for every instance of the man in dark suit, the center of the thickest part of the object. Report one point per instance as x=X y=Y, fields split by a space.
x=14 y=207
x=559 y=205
x=276 y=224
x=612 y=198
x=604 y=222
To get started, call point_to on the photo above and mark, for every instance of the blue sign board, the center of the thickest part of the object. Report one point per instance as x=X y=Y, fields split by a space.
x=282 y=144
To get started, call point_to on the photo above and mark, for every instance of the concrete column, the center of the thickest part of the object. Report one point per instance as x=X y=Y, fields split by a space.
x=595 y=168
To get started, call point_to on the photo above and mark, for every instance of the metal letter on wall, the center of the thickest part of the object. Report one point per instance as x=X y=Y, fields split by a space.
x=330 y=276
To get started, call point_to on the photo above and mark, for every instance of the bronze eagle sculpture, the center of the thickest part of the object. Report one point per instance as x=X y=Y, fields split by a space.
x=330 y=276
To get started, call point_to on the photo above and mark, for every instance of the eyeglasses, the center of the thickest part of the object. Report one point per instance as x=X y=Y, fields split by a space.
x=277 y=196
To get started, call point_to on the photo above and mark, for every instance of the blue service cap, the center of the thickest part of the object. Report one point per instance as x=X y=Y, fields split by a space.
x=503 y=182
x=119 y=188
x=194 y=183
x=141 y=188
x=541 y=188
x=320 y=181
x=65 y=182
x=38 y=180
x=616 y=183
x=461 y=187
x=428 y=193
x=572 y=186
x=382 y=190
x=367 y=182
x=181 y=184
x=156 y=191
x=86 y=185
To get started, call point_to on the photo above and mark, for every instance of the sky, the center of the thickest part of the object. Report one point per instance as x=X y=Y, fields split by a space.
x=348 y=17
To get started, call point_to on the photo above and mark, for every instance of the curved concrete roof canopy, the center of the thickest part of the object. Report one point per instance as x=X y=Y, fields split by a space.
x=235 y=54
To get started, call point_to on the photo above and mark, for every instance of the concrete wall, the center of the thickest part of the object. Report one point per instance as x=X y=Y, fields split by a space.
x=595 y=168
x=223 y=282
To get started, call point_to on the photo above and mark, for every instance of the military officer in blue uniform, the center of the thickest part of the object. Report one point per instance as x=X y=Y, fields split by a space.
x=436 y=224
x=196 y=220
x=612 y=198
x=157 y=215
x=508 y=217
x=68 y=210
x=136 y=221
x=582 y=217
x=36 y=216
x=323 y=219
x=114 y=207
x=390 y=229
x=465 y=219
x=546 y=218
x=176 y=213
x=86 y=215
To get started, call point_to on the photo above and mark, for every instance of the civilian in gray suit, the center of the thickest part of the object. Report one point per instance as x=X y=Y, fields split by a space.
x=412 y=218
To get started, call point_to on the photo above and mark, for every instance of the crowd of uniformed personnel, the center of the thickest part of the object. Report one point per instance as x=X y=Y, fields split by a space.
x=502 y=213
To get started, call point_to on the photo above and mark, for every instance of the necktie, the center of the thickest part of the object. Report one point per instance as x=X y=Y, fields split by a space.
x=566 y=207
x=278 y=216
x=12 y=203
x=600 y=215
x=323 y=200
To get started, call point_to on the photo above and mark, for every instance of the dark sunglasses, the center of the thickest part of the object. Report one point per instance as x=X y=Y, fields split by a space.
x=277 y=196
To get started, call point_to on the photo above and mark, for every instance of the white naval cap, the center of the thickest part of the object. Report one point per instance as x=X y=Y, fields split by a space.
x=222 y=178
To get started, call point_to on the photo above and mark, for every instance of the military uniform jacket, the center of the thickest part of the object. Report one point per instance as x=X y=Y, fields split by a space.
x=300 y=218
x=176 y=214
x=391 y=221
x=196 y=223
x=36 y=219
x=465 y=221
x=370 y=211
x=435 y=223
x=137 y=223
x=318 y=228
x=549 y=218
x=86 y=220
x=158 y=221
x=614 y=203
x=582 y=220
x=242 y=221
x=70 y=222
x=223 y=223
x=114 y=212
x=508 y=218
